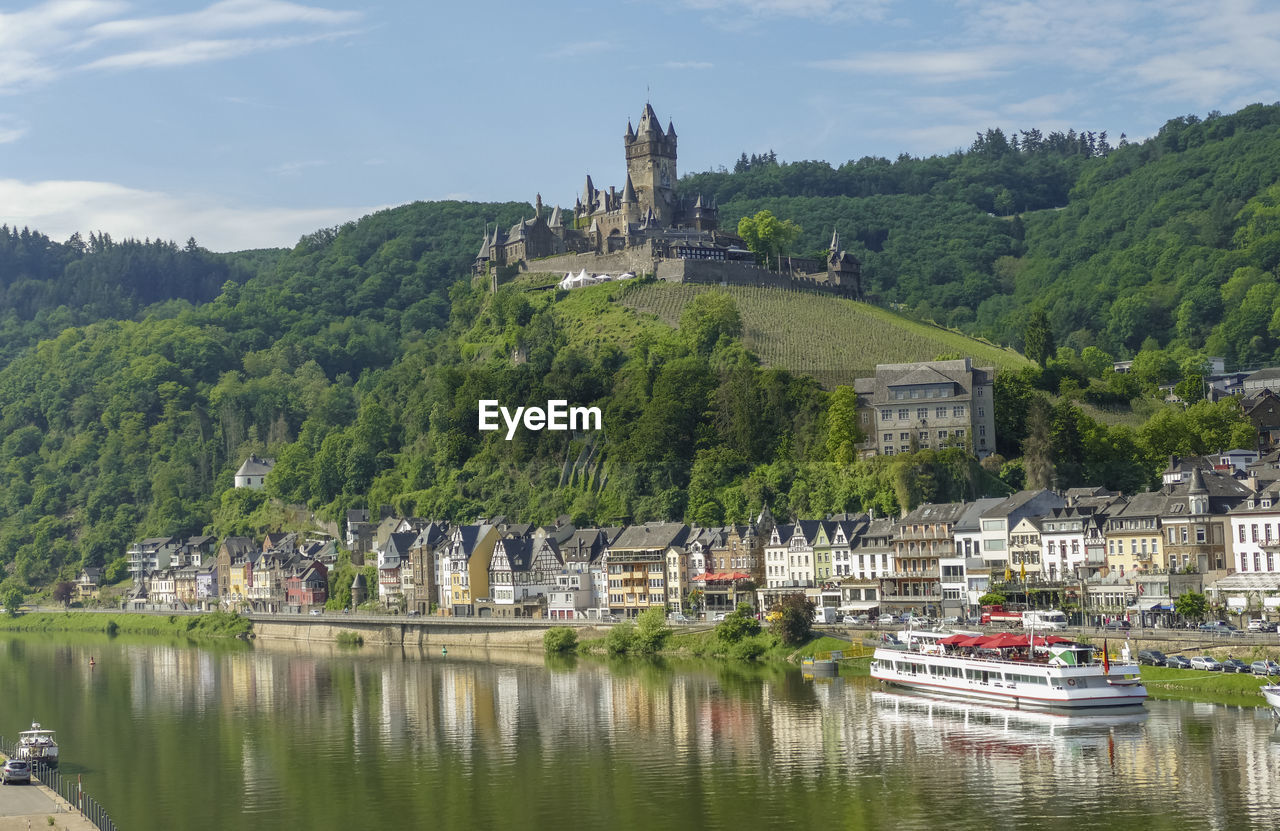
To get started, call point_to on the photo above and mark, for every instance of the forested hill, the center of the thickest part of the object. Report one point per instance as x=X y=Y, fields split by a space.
x=357 y=358
x=1174 y=237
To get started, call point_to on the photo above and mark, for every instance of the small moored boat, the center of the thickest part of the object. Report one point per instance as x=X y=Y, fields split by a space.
x=38 y=746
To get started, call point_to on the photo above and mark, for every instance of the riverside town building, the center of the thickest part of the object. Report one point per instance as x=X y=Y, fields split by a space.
x=1213 y=527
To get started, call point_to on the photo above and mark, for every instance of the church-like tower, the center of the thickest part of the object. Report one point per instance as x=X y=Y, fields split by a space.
x=651 y=166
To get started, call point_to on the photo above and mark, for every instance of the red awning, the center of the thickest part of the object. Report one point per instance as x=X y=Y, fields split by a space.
x=975 y=640
x=1006 y=640
x=954 y=640
x=712 y=577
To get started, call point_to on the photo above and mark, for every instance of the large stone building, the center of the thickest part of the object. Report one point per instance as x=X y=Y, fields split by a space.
x=932 y=404
x=646 y=226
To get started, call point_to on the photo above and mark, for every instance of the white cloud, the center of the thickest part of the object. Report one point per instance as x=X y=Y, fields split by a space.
x=51 y=39
x=295 y=167
x=200 y=51
x=954 y=65
x=11 y=129
x=830 y=9
x=581 y=48
x=60 y=208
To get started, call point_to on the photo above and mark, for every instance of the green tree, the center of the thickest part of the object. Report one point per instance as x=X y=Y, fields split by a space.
x=767 y=236
x=560 y=639
x=738 y=624
x=11 y=597
x=843 y=435
x=1038 y=337
x=794 y=624
x=1037 y=448
x=707 y=318
x=652 y=630
x=1191 y=606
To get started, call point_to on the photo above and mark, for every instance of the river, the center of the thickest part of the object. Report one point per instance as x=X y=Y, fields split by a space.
x=282 y=736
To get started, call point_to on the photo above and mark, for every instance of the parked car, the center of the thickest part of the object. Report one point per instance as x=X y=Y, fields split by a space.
x=1118 y=625
x=676 y=617
x=1177 y=662
x=1234 y=665
x=1152 y=657
x=1264 y=668
x=414 y=613
x=1219 y=627
x=16 y=770
x=317 y=611
x=1206 y=662
x=951 y=620
x=886 y=620
x=1258 y=624
x=718 y=616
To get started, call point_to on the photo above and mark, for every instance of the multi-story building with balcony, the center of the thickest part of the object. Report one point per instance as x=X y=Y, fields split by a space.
x=920 y=540
x=636 y=565
x=929 y=404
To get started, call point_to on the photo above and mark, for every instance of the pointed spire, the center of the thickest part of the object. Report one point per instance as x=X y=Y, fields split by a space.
x=1197 y=482
x=649 y=121
x=555 y=222
x=697 y=206
x=671 y=129
x=588 y=194
x=629 y=192
x=631 y=134
x=835 y=241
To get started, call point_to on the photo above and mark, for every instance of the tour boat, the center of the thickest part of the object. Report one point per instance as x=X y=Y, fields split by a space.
x=38 y=746
x=1271 y=693
x=1014 y=670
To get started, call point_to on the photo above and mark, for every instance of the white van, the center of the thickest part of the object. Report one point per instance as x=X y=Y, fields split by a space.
x=1044 y=620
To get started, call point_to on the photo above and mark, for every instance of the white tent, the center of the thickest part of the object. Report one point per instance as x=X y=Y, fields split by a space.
x=626 y=275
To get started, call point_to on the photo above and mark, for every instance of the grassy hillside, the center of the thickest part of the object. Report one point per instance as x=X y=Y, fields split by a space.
x=830 y=339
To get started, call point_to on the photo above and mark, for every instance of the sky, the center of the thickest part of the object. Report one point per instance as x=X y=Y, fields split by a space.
x=248 y=123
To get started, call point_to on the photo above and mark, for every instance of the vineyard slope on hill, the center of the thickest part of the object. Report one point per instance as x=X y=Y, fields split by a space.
x=830 y=339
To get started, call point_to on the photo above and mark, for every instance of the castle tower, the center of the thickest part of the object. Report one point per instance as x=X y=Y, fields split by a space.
x=651 y=166
x=844 y=269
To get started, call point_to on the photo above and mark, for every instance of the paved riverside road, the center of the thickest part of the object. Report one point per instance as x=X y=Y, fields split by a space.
x=30 y=806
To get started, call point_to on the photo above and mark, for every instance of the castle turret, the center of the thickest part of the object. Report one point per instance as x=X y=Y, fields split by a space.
x=651 y=165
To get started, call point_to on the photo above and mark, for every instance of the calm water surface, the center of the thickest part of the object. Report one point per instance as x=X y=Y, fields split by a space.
x=171 y=736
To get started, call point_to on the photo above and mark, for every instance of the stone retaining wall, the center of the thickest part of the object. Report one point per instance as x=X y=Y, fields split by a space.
x=413 y=634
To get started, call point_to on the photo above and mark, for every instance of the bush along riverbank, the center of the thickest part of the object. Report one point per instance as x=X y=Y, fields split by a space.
x=212 y=625
x=737 y=638
x=1231 y=688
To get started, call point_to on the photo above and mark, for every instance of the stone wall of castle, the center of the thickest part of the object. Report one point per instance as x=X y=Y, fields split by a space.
x=637 y=260
x=640 y=260
x=739 y=274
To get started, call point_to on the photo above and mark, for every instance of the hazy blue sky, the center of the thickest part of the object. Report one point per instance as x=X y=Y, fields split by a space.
x=247 y=123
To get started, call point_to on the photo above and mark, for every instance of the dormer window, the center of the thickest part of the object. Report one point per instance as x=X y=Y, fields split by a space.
x=1266 y=503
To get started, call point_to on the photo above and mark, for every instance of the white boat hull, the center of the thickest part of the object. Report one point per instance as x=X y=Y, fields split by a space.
x=1010 y=683
x=1272 y=694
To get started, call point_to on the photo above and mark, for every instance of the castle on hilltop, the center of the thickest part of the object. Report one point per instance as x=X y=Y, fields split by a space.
x=648 y=228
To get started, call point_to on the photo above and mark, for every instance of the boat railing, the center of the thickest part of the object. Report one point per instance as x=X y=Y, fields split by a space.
x=66 y=787
x=902 y=648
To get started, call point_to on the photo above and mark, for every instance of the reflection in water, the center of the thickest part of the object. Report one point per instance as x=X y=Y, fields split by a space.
x=278 y=737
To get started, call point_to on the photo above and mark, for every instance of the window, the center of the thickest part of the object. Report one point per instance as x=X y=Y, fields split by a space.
x=942 y=434
x=957 y=412
x=924 y=435
x=888 y=436
x=886 y=414
x=940 y=412
x=959 y=432
x=904 y=414
x=1244 y=562
x=904 y=437
x=1257 y=561
x=922 y=413
x=982 y=429
x=981 y=413
x=1200 y=536
x=865 y=417
x=1254 y=531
